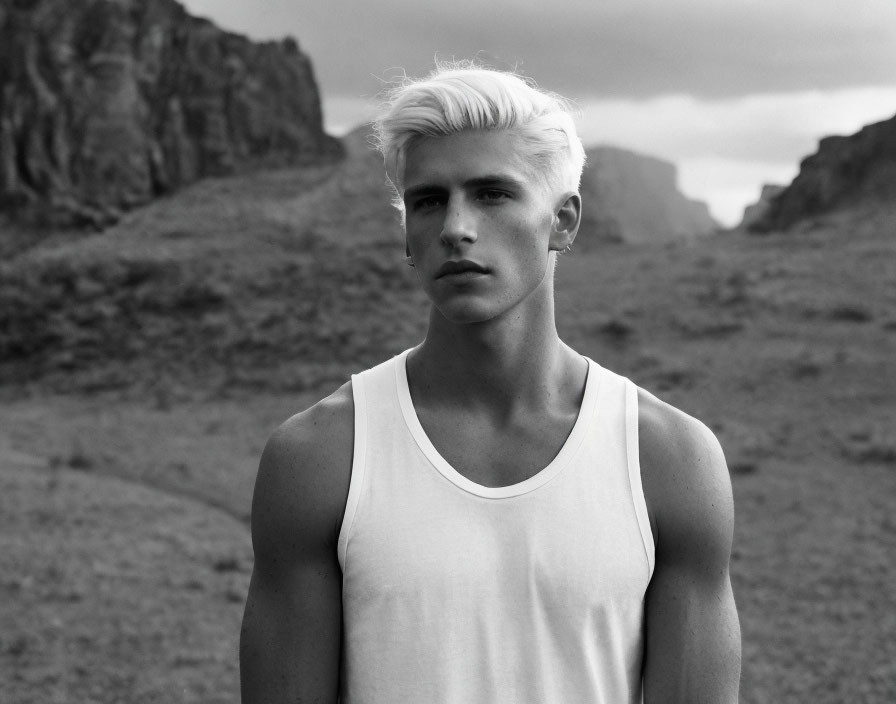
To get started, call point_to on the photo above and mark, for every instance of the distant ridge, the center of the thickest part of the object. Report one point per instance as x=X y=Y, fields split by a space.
x=629 y=197
x=105 y=105
x=757 y=211
x=844 y=171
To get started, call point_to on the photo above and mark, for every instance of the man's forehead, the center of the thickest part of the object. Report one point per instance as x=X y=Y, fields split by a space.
x=469 y=155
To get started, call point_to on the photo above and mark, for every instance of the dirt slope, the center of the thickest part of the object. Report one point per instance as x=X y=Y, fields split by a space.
x=115 y=592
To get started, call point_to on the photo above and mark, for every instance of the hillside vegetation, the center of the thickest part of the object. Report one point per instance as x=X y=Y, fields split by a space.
x=233 y=282
x=143 y=367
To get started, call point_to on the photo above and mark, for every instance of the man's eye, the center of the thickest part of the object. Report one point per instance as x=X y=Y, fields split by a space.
x=492 y=195
x=426 y=202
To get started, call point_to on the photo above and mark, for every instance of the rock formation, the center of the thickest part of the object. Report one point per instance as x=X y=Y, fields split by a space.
x=844 y=171
x=629 y=197
x=105 y=104
x=759 y=210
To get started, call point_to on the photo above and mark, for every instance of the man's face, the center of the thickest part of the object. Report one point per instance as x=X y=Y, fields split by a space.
x=479 y=223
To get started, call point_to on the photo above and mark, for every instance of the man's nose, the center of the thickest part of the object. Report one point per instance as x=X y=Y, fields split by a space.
x=459 y=224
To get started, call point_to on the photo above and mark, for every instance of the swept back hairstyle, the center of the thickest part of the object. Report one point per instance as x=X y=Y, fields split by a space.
x=460 y=96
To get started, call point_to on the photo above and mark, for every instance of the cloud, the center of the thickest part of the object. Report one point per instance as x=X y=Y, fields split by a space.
x=766 y=126
x=614 y=48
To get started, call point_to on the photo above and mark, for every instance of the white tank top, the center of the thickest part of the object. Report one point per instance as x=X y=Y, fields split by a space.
x=456 y=593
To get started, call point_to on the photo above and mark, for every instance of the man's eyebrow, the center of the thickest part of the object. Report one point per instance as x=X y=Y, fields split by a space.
x=496 y=180
x=477 y=182
x=422 y=189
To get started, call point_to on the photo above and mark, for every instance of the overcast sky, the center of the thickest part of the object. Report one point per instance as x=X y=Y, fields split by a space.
x=735 y=92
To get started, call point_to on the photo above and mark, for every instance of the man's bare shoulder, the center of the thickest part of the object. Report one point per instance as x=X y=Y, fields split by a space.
x=304 y=475
x=684 y=473
x=323 y=431
x=671 y=437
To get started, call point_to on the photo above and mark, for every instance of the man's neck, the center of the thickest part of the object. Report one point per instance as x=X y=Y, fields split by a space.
x=500 y=365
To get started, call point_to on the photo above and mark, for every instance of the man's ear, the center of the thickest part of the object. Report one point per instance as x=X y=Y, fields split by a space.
x=567 y=219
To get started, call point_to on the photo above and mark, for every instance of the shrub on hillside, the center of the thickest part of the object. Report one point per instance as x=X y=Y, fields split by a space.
x=111 y=320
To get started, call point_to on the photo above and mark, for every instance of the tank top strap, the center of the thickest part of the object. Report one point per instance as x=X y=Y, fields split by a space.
x=376 y=411
x=620 y=394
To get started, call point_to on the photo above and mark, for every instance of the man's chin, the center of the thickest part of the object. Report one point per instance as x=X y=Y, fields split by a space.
x=465 y=313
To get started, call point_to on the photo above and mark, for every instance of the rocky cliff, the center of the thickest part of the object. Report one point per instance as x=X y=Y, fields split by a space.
x=629 y=197
x=843 y=172
x=758 y=211
x=105 y=104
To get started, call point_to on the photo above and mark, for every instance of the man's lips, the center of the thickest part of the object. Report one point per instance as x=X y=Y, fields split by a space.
x=464 y=266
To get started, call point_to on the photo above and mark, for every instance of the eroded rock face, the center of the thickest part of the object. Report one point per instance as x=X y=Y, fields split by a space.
x=844 y=171
x=105 y=104
x=759 y=210
x=630 y=197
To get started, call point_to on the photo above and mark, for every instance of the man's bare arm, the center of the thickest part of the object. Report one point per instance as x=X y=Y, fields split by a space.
x=693 y=647
x=292 y=627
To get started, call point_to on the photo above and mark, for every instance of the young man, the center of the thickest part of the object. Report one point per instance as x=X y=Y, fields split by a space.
x=489 y=517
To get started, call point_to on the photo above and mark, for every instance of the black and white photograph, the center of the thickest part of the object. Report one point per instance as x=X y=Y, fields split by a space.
x=447 y=353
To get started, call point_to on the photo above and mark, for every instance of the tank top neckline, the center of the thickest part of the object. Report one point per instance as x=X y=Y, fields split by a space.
x=561 y=460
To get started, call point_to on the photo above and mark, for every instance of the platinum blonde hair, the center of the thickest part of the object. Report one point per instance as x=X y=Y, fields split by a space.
x=460 y=96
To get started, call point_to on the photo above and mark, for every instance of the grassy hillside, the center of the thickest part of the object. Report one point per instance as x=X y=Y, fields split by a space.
x=244 y=282
x=144 y=367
